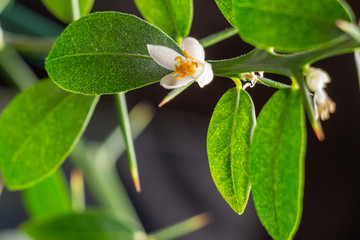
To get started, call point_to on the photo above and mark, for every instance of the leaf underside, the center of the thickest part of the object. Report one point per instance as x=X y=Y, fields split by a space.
x=228 y=142
x=298 y=26
x=277 y=164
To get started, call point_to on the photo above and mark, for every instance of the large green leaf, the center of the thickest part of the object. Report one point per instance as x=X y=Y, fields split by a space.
x=91 y=225
x=276 y=158
x=172 y=16
x=228 y=142
x=38 y=129
x=62 y=9
x=225 y=7
x=288 y=26
x=106 y=53
x=48 y=197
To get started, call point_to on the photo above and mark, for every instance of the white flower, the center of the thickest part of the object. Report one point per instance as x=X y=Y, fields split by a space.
x=316 y=80
x=186 y=69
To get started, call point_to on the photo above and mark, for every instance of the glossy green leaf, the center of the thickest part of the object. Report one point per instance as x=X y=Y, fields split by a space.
x=172 y=16
x=91 y=225
x=301 y=25
x=62 y=9
x=48 y=197
x=106 y=53
x=225 y=7
x=38 y=129
x=228 y=142
x=276 y=158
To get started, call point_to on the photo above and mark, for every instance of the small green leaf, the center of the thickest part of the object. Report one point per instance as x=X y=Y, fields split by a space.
x=172 y=16
x=38 y=129
x=276 y=158
x=91 y=225
x=228 y=141
x=225 y=7
x=62 y=9
x=48 y=197
x=288 y=27
x=106 y=53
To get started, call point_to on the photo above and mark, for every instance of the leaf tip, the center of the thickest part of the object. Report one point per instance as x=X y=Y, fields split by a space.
x=163 y=102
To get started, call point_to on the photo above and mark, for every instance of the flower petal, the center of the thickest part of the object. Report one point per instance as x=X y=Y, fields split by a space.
x=170 y=82
x=207 y=75
x=194 y=49
x=163 y=56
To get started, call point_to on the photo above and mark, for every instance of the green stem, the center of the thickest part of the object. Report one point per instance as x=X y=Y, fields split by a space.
x=15 y=69
x=77 y=190
x=271 y=83
x=102 y=178
x=29 y=45
x=75 y=9
x=218 y=37
x=260 y=60
x=182 y=228
x=123 y=115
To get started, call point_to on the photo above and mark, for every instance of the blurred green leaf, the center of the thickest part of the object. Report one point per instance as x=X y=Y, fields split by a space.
x=301 y=25
x=4 y=4
x=174 y=17
x=38 y=129
x=48 y=197
x=106 y=53
x=62 y=9
x=228 y=141
x=91 y=225
x=276 y=158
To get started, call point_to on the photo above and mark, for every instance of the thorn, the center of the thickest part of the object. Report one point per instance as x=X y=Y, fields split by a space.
x=163 y=102
x=136 y=180
x=202 y=219
x=340 y=24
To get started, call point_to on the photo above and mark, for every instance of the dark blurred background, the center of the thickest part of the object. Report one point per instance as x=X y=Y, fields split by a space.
x=175 y=177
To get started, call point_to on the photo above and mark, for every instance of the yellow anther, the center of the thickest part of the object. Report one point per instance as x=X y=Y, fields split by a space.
x=187 y=56
x=184 y=67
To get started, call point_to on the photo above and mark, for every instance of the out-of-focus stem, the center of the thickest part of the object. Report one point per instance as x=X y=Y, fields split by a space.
x=123 y=115
x=218 y=37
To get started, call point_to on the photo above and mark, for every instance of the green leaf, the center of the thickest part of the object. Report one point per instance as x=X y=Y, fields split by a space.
x=91 y=225
x=106 y=53
x=172 y=16
x=62 y=9
x=4 y=4
x=48 y=197
x=225 y=7
x=276 y=158
x=38 y=129
x=288 y=27
x=228 y=141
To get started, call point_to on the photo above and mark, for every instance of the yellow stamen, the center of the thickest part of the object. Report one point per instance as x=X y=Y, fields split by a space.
x=187 y=56
x=185 y=68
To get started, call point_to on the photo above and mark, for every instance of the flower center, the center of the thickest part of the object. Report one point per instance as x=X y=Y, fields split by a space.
x=185 y=67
